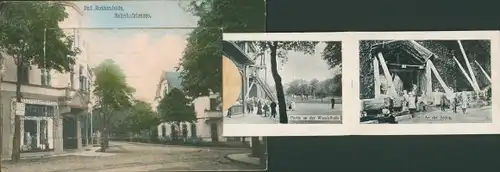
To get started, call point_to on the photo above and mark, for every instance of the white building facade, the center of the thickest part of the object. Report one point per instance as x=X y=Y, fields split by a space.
x=56 y=104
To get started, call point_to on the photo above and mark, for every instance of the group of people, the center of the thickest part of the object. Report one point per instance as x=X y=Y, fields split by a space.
x=453 y=100
x=261 y=107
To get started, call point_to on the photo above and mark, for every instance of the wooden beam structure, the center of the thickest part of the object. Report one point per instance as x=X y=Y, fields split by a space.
x=472 y=76
x=465 y=74
x=392 y=87
x=376 y=75
x=249 y=89
x=406 y=66
x=428 y=78
x=438 y=77
x=484 y=71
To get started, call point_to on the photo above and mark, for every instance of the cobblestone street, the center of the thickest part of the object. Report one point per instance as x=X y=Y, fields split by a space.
x=135 y=157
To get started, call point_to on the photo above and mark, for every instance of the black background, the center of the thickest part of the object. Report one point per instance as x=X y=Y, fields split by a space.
x=383 y=153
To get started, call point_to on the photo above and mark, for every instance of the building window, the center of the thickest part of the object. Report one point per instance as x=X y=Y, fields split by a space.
x=49 y=78
x=43 y=78
x=213 y=104
x=82 y=79
x=25 y=75
x=46 y=77
x=71 y=79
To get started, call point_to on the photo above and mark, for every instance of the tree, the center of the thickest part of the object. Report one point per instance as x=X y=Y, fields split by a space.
x=278 y=50
x=313 y=86
x=113 y=95
x=32 y=36
x=201 y=64
x=332 y=54
x=140 y=117
x=176 y=108
x=336 y=87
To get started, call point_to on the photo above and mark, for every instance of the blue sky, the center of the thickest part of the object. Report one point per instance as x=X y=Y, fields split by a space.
x=153 y=45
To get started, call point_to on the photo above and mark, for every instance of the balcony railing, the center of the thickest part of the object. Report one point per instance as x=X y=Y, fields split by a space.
x=213 y=114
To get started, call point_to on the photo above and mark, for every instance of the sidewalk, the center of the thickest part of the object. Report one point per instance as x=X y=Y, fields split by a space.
x=42 y=155
x=244 y=158
x=250 y=119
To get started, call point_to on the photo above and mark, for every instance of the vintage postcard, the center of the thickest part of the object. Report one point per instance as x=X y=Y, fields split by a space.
x=110 y=89
x=283 y=84
x=427 y=82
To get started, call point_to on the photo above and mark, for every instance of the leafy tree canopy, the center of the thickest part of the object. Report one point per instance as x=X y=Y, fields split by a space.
x=111 y=88
x=22 y=37
x=332 y=53
x=176 y=108
x=201 y=65
x=140 y=117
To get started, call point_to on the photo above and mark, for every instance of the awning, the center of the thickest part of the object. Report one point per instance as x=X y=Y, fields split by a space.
x=409 y=47
x=234 y=52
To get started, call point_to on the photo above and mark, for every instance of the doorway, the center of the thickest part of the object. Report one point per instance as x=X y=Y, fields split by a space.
x=214 y=134
x=30 y=136
x=69 y=132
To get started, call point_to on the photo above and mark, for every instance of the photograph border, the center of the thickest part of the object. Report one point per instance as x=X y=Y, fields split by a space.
x=428 y=129
x=231 y=130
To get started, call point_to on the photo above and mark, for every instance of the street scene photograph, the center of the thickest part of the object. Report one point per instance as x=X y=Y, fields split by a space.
x=284 y=82
x=79 y=97
x=425 y=81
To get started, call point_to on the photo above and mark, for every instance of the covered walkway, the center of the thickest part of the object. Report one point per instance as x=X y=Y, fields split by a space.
x=253 y=84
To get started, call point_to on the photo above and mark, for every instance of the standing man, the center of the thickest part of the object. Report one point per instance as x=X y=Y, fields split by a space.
x=333 y=102
x=273 y=109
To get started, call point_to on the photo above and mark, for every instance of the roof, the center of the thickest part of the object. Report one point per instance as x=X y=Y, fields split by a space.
x=236 y=54
x=173 y=79
x=410 y=47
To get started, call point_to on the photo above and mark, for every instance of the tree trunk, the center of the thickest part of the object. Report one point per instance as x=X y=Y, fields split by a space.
x=1 y=114
x=256 y=147
x=279 y=86
x=16 y=141
x=104 y=133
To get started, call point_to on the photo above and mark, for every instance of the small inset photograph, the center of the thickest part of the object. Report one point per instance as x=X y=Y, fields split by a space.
x=425 y=81
x=284 y=82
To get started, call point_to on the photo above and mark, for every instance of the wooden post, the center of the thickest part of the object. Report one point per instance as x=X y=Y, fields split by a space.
x=473 y=77
x=438 y=77
x=250 y=88
x=392 y=89
x=465 y=74
x=245 y=88
x=428 y=78
x=484 y=71
x=376 y=75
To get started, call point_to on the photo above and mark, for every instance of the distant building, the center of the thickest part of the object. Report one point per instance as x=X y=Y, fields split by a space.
x=209 y=119
x=56 y=104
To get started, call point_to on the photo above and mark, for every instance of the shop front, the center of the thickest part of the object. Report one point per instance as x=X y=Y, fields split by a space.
x=37 y=128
